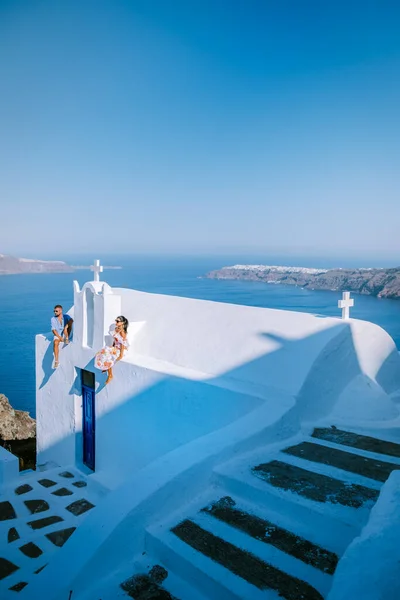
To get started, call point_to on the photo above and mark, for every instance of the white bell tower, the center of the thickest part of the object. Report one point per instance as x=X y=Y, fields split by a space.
x=95 y=308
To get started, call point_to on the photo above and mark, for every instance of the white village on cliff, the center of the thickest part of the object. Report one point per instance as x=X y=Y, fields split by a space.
x=238 y=453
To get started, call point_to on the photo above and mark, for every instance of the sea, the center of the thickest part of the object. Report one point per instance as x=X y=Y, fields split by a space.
x=27 y=301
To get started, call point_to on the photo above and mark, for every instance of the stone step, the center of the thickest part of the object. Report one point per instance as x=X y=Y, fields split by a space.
x=151 y=582
x=391 y=460
x=180 y=588
x=314 y=486
x=242 y=525
x=227 y=511
x=346 y=477
x=144 y=578
x=269 y=553
x=208 y=577
x=356 y=440
x=145 y=586
x=347 y=461
x=243 y=563
x=331 y=526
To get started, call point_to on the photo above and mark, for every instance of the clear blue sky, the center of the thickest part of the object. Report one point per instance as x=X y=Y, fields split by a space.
x=200 y=126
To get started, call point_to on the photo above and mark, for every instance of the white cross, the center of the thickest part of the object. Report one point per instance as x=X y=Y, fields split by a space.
x=97 y=270
x=345 y=303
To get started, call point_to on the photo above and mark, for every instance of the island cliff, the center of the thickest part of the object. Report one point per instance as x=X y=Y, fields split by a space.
x=10 y=265
x=384 y=283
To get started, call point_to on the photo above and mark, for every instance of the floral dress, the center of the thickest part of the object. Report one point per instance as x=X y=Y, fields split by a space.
x=107 y=356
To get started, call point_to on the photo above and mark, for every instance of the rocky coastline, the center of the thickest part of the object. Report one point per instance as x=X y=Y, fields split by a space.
x=382 y=283
x=18 y=433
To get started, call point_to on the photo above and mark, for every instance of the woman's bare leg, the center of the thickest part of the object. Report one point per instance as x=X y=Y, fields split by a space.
x=110 y=376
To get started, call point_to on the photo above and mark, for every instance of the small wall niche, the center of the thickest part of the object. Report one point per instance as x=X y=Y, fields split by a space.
x=88 y=333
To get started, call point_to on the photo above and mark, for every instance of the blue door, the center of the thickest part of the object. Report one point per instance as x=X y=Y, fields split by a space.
x=88 y=426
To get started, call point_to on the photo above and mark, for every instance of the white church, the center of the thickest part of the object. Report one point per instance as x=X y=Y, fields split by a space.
x=238 y=453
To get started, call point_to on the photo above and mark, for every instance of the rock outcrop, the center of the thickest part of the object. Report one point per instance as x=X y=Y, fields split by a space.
x=384 y=283
x=15 y=424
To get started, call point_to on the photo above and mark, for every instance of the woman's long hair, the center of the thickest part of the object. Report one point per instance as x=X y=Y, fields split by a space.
x=124 y=321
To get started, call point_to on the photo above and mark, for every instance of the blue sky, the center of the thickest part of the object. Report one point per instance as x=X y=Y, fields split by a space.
x=191 y=126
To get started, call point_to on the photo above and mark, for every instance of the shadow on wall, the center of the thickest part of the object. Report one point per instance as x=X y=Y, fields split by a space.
x=383 y=375
x=318 y=387
x=287 y=366
x=47 y=362
x=175 y=410
x=76 y=388
x=329 y=375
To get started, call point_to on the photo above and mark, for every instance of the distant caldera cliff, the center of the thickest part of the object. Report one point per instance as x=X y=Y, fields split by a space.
x=384 y=283
x=10 y=265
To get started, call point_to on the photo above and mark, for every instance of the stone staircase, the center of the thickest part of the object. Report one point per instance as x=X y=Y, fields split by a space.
x=274 y=524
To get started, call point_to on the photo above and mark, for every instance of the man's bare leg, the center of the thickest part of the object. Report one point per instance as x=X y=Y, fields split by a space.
x=56 y=345
x=68 y=332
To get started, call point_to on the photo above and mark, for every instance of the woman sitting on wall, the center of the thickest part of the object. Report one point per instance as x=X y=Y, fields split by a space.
x=106 y=358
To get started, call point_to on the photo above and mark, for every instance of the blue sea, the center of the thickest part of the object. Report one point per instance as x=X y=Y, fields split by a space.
x=26 y=302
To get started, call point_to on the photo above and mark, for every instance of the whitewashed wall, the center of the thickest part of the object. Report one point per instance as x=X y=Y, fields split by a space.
x=9 y=467
x=369 y=568
x=262 y=346
x=55 y=404
x=141 y=415
x=195 y=366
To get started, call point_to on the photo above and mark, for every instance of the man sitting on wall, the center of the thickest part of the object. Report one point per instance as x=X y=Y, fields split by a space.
x=61 y=327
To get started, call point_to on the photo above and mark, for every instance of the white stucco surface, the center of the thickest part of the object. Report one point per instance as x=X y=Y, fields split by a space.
x=194 y=366
x=9 y=467
x=201 y=383
x=370 y=567
x=246 y=343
